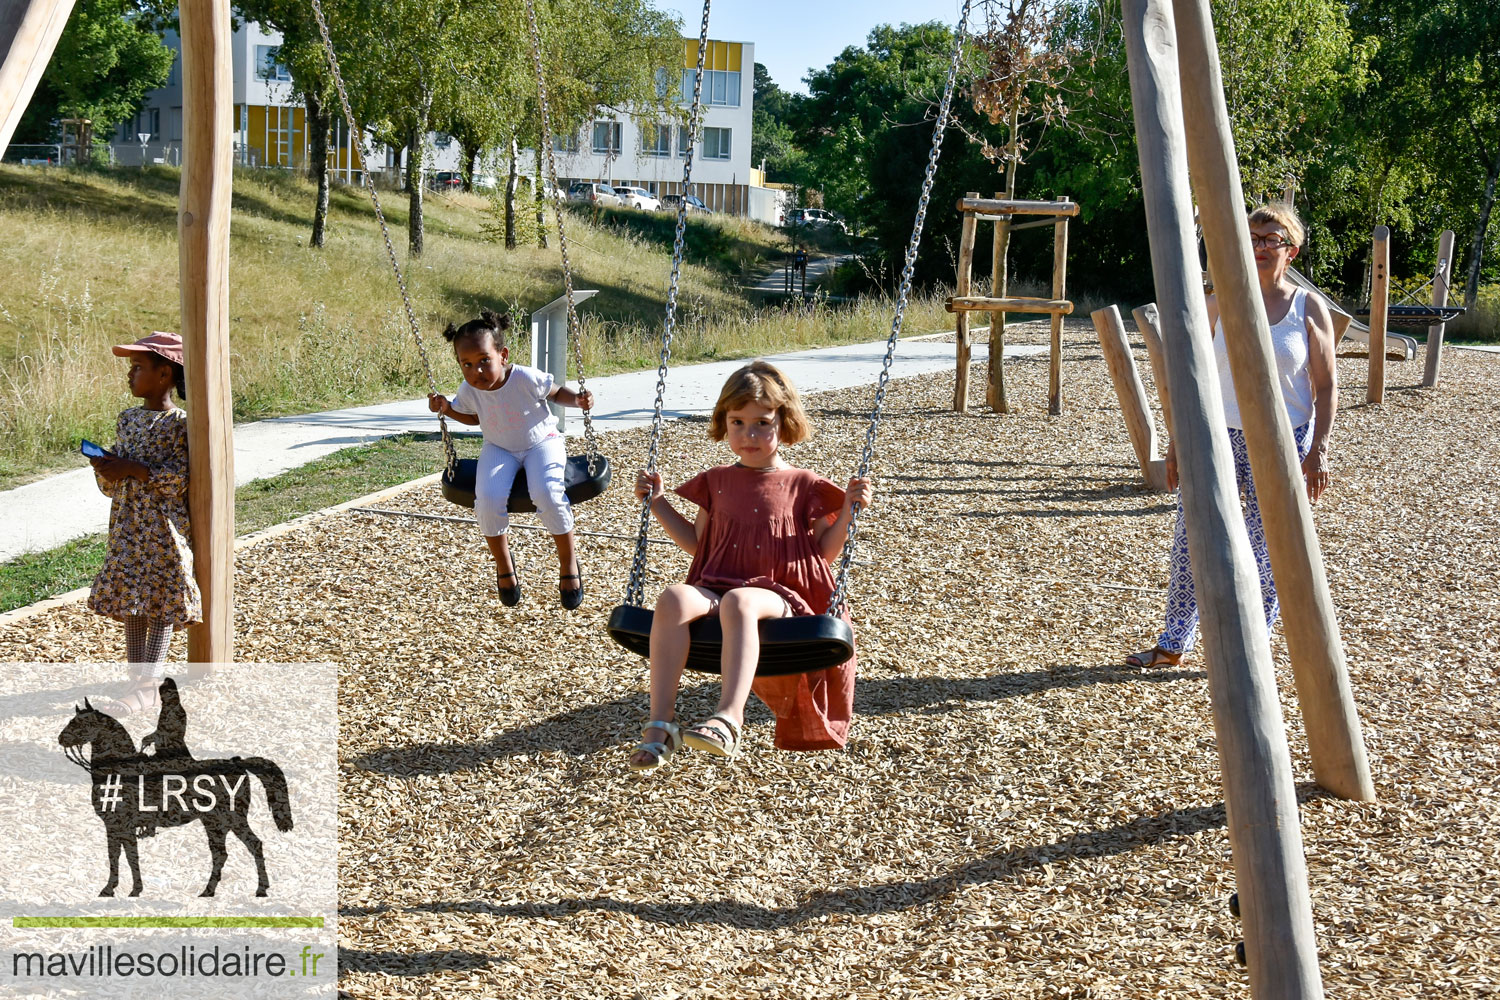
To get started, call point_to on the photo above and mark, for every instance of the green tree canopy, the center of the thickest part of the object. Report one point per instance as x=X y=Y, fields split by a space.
x=108 y=56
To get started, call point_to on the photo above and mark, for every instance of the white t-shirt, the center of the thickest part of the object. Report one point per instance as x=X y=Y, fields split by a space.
x=515 y=416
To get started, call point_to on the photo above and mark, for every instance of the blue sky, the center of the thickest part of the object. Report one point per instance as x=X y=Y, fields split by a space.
x=792 y=36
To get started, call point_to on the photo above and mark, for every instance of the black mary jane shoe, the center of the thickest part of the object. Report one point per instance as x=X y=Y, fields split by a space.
x=509 y=596
x=571 y=599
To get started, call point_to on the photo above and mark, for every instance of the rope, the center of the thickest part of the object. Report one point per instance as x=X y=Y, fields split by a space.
x=634 y=590
x=364 y=159
x=574 y=334
x=840 y=590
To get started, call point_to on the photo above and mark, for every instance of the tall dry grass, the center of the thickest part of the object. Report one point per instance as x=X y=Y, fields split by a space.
x=90 y=259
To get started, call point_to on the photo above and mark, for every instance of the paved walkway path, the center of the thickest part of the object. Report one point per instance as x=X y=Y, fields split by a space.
x=817 y=269
x=52 y=511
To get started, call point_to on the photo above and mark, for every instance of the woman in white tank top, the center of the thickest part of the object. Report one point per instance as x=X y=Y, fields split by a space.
x=1302 y=340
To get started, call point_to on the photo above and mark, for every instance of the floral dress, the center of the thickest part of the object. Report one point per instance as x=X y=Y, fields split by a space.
x=760 y=535
x=148 y=564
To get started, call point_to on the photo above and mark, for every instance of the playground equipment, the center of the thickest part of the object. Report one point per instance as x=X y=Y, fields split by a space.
x=586 y=476
x=973 y=210
x=1176 y=125
x=807 y=642
x=1132 y=395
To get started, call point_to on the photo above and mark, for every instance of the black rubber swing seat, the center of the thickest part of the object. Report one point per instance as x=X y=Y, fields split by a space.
x=579 y=485
x=797 y=645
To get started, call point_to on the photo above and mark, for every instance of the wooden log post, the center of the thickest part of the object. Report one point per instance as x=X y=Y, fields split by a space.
x=994 y=394
x=1335 y=743
x=1380 y=302
x=1441 y=279
x=29 y=30
x=203 y=247
x=1149 y=323
x=1059 y=292
x=1133 y=404
x=1259 y=792
x=961 y=319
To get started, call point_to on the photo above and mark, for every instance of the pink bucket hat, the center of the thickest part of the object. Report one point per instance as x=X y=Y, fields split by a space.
x=168 y=345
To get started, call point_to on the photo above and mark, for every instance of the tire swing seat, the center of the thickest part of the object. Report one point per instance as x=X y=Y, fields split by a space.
x=796 y=645
x=579 y=484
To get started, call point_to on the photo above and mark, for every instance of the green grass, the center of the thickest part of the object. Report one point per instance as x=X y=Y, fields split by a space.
x=344 y=475
x=90 y=257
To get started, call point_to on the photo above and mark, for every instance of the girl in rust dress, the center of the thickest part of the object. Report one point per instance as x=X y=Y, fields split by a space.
x=762 y=541
x=147 y=578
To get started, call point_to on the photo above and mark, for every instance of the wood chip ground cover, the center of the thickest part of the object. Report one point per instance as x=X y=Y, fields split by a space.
x=1016 y=814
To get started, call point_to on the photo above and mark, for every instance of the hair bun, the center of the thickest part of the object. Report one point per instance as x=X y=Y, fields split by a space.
x=450 y=333
x=494 y=320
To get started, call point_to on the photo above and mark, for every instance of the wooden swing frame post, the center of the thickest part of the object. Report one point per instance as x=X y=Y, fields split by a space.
x=1132 y=395
x=28 y=36
x=1442 y=275
x=1380 y=304
x=203 y=248
x=1335 y=742
x=1259 y=791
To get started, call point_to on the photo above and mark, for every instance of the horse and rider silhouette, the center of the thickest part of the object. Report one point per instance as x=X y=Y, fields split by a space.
x=135 y=793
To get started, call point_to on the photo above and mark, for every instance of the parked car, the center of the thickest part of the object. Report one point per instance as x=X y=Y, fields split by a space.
x=595 y=193
x=638 y=197
x=486 y=182
x=816 y=217
x=446 y=180
x=671 y=201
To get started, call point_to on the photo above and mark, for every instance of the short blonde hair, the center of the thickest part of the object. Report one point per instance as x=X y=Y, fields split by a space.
x=1282 y=215
x=763 y=383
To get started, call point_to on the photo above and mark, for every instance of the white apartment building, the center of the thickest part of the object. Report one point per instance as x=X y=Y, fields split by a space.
x=641 y=150
x=270 y=123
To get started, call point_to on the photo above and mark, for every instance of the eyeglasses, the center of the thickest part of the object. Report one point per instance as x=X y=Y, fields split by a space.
x=1274 y=241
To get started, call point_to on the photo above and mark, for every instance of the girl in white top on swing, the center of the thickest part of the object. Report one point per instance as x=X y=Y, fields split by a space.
x=508 y=402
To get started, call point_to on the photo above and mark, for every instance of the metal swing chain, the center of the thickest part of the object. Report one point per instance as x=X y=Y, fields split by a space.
x=634 y=590
x=451 y=455
x=840 y=590
x=575 y=335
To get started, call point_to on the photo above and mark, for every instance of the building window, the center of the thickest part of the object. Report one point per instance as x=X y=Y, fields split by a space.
x=266 y=65
x=656 y=139
x=442 y=140
x=721 y=88
x=151 y=122
x=565 y=143
x=684 y=141
x=607 y=138
x=716 y=144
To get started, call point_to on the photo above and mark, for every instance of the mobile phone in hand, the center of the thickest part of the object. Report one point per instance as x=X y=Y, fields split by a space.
x=92 y=450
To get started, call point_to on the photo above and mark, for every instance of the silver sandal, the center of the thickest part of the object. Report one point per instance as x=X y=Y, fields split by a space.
x=706 y=741
x=660 y=750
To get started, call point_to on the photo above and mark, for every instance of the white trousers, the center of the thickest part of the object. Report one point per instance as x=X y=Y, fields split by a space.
x=544 y=464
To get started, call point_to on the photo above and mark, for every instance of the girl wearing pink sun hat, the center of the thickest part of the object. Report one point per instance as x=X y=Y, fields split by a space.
x=147 y=579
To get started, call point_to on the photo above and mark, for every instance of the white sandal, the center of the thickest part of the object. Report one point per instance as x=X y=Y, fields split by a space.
x=660 y=750
x=711 y=744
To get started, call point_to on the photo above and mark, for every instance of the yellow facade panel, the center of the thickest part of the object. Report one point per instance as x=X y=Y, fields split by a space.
x=736 y=53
